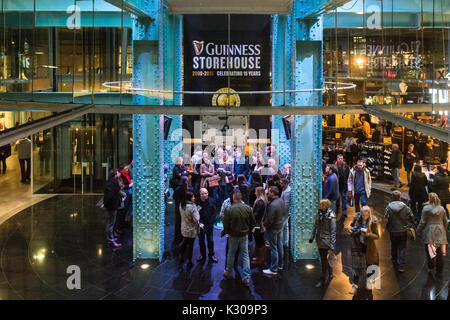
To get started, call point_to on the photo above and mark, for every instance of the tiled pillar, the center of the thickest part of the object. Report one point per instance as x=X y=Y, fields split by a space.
x=307 y=135
x=148 y=144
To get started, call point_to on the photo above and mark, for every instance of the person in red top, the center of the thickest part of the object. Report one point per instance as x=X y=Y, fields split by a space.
x=125 y=212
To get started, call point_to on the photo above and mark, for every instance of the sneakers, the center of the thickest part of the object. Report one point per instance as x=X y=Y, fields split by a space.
x=269 y=272
x=213 y=259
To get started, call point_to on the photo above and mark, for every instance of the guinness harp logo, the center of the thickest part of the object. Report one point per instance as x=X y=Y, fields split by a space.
x=198 y=46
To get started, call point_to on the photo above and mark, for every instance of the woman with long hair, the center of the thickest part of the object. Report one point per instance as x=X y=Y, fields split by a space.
x=259 y=209
x=433 y=226
x=324 y=232
x=190 y=224
x=256 y=181
x=364 y=232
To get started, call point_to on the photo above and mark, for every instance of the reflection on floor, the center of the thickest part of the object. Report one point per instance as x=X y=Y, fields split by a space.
x=39 y=243
x=14 y=195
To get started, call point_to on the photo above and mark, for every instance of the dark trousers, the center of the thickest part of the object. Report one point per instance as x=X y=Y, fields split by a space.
x=25 y=171
x=186 y=249
x=206 y=231
x=437 y=261
x=3 y=161
x=178 y=236
x=327 y=271
x=398 y=248
x=416 y=207
x=360 y=279
x=259 y=238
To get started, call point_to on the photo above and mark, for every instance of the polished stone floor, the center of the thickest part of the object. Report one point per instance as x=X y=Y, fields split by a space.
x=38 y=244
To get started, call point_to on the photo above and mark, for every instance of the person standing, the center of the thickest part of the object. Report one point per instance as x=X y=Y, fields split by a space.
x=363 y=231
x=190 y=225
x=5 y=152
x=259 y=210
x=286 y=197
x=111 y=202
x=256 y=181
x=418 y=191
x=342 y=173
x=238 y=222
x=208 y=213
x=440 y=186
x=399 y=218
x=324 y=232
x=273 y=222
x=396 y=164
x=359 y=184
x=176 y=183
x=225 y=171
x=331 y=186
x=23 y=148
x=209 y=179
x=365 y=127
x=408 y=162
x=241 y=165
x=433 y=226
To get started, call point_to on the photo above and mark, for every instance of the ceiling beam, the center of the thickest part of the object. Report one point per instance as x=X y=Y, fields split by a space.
x=230 y=6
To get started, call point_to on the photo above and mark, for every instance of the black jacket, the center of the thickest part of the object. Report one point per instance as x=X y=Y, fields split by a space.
x=245 y=190
x=111 y=196
x=177 y=173
x=5 y=151
x=208 y=212
x=409 y=159
x=273 y=220
x=417 y=190
x=251 y=194
x=343 y=173
x=324 y=230
x=399 y=217
x=440 y=187
x=259 y=210
x=239 y=220
x=396 y=160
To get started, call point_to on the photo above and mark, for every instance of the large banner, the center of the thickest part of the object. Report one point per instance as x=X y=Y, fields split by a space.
x=223 y=55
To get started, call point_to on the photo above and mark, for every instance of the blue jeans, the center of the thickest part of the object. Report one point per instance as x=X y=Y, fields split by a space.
x=342 y=202
x=395 y=174
x=408 y=175
x=358 y=197
x=285 y=233
x=276 y=249
x=333 y=205
x=233 y=244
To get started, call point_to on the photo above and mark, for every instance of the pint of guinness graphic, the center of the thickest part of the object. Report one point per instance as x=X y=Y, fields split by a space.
x=222 y=99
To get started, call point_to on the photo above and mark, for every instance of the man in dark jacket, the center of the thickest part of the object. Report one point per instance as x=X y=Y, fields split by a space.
x=208 y=213
x=111 y=202
x=408 y=162
x=343 y=172
x=396 y=164
x=241 y=165
x=5 y=152
x=273 y=222
x=331 y=187
x=400 y=217
x=238 y=222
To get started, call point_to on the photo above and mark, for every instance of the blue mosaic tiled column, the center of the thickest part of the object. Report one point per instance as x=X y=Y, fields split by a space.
x=148 y=149
x=307 y=134
x=281 y=67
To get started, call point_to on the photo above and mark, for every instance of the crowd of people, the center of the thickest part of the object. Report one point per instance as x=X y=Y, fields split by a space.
x=250 y=196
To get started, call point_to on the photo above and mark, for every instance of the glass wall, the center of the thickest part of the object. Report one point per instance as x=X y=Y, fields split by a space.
x=396 y=52
x=75 y=157
x=64 y=51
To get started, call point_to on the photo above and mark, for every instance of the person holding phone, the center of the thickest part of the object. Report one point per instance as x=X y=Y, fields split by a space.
x=363 y=231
